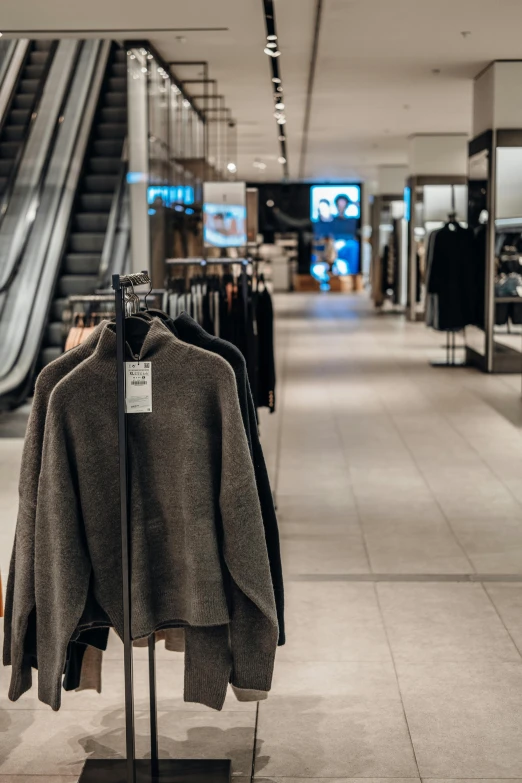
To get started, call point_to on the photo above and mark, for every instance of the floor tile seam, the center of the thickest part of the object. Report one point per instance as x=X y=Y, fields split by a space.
x=497 y=612
x=405 y=578
x=428 y=487
x=280 y=424
x=492 y=470
x=468 y=443
x=394 y=664
x=346 y=464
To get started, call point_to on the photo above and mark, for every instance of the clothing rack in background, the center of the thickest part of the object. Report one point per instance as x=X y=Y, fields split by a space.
x=130 y=769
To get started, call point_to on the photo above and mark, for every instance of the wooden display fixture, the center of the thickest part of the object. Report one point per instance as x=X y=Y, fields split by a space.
x=339 y=284
x=305 y=284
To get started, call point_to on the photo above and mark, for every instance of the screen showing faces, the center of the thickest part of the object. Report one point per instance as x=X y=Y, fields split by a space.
x=335 y=211
x=330 y=203
x=224 y=225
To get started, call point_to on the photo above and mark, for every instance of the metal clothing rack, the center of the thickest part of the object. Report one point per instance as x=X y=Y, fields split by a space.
x=451 y=347
x=130 y=769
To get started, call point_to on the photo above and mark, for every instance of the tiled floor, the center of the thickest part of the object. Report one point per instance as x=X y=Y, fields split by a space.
x=399 y=492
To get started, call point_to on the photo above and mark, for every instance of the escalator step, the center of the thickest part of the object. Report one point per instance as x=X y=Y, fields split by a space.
x=49 y=354
x=8 y=149
x=82 y=264
x=28 y=86
x=119 y=70
x=91 y=221
x=104 y=165
x=14 y=133
x=115 y=98
x=86 y=243
x=23 y=101
x=117 y=84
x=42 y=46
x=57 y=308
x=3 y=183
x=19 y=116
x=111 y=130
x=38 y=58
x=117 y=114
x=106 y=148
x=95 y=202
x=6 y=164
x=100 y=183
x=34 y=71
x=120 y=56
x=77 y=284
x=54 y=335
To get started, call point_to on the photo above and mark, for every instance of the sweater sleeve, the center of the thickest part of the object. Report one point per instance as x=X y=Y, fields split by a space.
x=253 y=624
x=19 y=598
x=62 y=563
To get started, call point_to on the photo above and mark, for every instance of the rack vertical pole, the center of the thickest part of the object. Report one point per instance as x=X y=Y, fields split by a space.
x=125 y=532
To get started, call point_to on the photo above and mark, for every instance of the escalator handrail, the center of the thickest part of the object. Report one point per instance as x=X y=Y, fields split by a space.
x=7 y=51
x=19 y=155
x=8 y=275
x=114 y=219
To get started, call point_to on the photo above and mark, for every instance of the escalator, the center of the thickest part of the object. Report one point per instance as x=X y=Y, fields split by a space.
x=99 y=183
x=58 y=231
x=23 y=105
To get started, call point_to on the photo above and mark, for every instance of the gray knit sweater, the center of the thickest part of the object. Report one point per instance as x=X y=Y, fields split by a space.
x=195 y=519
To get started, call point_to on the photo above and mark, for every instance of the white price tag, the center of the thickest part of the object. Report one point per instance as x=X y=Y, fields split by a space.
x=138 y=387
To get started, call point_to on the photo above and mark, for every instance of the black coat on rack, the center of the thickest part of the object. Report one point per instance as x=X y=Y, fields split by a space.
x=452 y=278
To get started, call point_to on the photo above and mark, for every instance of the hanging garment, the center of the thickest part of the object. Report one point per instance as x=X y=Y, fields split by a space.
x=195 y=444
x=266 y=380
x=451 y=278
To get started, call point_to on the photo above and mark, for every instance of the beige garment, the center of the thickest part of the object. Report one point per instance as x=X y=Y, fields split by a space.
x=91 y=676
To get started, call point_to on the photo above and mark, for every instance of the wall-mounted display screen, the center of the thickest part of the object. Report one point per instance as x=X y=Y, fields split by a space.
x=335 y=203
x=335 y=212
x=224 y=214
x=168 y=195
x=224 y=225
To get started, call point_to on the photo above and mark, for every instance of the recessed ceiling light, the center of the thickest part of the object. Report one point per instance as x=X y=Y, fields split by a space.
x=281 y=160
x=232 y=167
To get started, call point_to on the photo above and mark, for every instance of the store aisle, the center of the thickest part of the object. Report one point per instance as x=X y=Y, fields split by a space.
x=400 y=505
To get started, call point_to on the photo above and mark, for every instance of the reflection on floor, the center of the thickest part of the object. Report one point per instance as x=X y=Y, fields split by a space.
x=399 y=491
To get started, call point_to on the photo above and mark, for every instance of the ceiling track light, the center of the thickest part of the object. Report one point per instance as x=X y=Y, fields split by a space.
x=272 y=45
x=271 y=38
x=281 y=121
x=272 y=52
x=280 y=105
x=276 y=80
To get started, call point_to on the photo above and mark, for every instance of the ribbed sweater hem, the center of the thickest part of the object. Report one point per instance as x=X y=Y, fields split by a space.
x=253 y=673
x=205 y=687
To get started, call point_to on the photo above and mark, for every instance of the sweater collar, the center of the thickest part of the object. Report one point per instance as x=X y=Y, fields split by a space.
x=159 y=347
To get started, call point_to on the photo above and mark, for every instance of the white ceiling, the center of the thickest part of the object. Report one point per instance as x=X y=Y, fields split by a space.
x=374 y=82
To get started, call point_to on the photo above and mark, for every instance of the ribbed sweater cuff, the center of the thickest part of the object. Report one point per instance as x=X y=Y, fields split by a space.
x=205 y=687
x=253 y=673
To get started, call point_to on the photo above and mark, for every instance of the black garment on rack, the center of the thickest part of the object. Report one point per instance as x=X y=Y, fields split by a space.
x=266 y=361
x=451 y=278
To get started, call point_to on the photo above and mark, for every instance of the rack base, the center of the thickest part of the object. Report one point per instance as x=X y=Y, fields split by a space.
x=170 y=771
